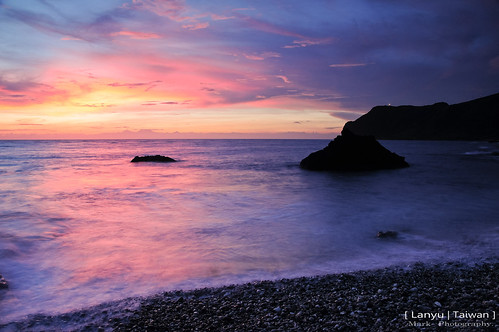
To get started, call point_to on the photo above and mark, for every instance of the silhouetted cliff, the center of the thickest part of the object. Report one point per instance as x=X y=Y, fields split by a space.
x=473 y=120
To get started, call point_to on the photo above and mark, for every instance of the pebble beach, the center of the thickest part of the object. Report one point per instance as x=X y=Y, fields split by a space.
x=417 y=297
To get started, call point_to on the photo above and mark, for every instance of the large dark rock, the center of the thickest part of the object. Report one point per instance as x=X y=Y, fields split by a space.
x=156 y=158
x=472 y=120
x=351 y=152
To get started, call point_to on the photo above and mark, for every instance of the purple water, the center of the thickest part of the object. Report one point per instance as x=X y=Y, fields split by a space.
x=81 y=225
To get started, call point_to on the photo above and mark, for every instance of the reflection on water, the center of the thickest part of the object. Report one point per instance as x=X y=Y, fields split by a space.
x=80 y=224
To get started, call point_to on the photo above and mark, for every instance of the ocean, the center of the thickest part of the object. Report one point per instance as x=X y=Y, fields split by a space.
x=81 y=225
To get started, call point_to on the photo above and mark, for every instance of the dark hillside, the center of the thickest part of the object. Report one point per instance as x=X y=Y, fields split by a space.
x=472 y=120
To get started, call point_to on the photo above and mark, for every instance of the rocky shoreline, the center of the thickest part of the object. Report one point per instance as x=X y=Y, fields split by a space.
x=441 y=297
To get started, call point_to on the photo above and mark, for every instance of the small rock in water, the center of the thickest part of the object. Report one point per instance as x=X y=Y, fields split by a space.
x=387 y=234
x=3 y=283
x=156 y=158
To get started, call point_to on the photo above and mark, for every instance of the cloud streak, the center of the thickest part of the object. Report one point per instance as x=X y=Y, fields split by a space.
x=147 y=85
x=348 y=65
x=171 y=9
x=136 y=35
x=309 y=42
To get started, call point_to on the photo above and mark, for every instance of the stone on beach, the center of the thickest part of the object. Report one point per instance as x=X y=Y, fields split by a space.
x=359 y=301
x=156 y=158
x=376 y=300
x=351 y=152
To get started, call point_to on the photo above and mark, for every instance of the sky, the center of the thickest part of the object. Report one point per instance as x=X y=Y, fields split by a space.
x=234 y=69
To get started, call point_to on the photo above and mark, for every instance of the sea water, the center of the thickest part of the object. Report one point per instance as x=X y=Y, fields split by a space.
x=81 y=225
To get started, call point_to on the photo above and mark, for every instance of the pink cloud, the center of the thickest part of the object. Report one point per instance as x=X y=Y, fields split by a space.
x=97 y=105
x=30 y=122
x=70 y=38
x=254 y=57
x=173 y=79
x=305 y=42
x=26 y=92
x=216 y=17
x=148 y=85
x=175 y=10
x=138 y=77
x=196 y=26
x=284 y=79
x=262 y=56
x=136 y=35
x=269 y=27
x=155 y=103
x=168 y=8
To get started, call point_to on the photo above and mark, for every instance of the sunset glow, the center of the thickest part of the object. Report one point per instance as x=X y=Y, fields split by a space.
x=174 y=68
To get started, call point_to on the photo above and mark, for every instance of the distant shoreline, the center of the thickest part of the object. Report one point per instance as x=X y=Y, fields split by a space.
x=452 y=294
